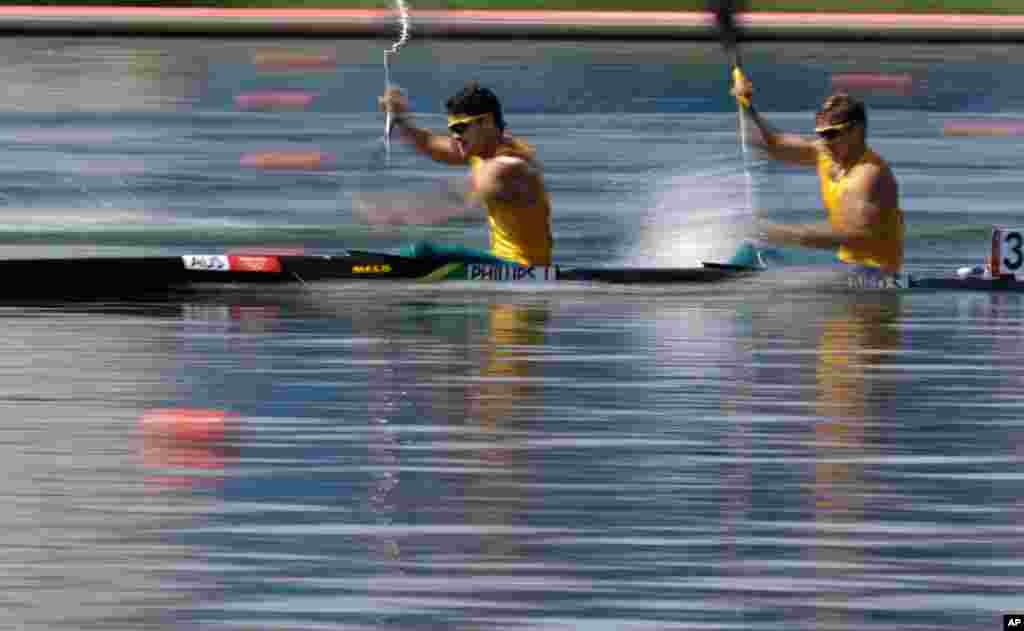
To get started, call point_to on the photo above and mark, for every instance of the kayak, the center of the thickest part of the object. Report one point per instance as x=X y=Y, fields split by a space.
x=108 y=277
x=111 y=277
x=126 y=277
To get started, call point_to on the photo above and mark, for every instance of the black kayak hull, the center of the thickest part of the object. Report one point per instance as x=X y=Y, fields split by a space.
x=127 y=277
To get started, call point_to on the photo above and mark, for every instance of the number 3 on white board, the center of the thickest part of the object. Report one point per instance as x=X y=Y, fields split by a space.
x=1013 y=251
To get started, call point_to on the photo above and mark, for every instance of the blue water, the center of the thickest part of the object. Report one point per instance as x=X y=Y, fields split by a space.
x=776 y=453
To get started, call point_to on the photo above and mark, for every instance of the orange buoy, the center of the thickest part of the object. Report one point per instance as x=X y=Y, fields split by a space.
x=288 y=160
x=293 y=60
x=187 y=447
x=874 y=83
x=196 y=425
x=983 y=127
x=274 y=100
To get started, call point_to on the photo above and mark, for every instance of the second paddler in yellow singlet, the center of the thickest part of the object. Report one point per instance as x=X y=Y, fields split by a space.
x=506 y=177
x=882 y=246
x=865 y=222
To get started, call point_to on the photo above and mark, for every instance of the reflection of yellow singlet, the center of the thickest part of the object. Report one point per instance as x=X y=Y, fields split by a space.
x=518 y=233
x=884 y=248
x=857 y=343
x=507 y=369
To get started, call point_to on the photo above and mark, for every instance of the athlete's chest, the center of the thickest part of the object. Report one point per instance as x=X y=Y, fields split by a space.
x=838 y=175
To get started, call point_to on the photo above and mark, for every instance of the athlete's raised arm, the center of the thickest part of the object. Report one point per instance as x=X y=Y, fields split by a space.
x=439 y=147
x=786 y=147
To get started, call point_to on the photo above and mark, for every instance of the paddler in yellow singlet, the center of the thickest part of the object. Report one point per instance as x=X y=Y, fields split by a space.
x=865 y=223
x=506 y=177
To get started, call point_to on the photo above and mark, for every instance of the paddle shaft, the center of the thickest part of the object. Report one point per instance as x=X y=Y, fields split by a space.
x=725 y=17
x=403 y=37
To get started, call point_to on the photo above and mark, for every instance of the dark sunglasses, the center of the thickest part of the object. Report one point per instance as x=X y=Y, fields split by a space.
x=832 y=134
x=461 y=126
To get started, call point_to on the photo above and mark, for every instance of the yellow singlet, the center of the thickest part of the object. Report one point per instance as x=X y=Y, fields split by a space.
x=519 y=233
x=884 y=249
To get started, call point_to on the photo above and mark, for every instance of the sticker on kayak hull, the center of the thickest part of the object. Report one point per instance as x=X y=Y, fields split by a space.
x=243 y=263
x=371 y=269
x=231 y=263
x=207 y=262
x=511 y=273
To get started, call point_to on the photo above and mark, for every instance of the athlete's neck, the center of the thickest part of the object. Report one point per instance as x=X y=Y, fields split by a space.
x=855 y=155
x=490 y=149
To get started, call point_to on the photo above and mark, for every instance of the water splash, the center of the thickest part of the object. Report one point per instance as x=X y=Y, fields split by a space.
x=696 y=217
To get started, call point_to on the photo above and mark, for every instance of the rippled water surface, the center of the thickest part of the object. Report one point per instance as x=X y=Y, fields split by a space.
x=775 y=453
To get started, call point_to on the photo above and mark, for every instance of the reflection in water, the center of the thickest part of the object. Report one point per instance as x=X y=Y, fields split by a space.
x=515 y=335
x=86 y=543
x=502 y=404
x=852 y=414
x=187 y=446
x=416 y=459
x=471 y=416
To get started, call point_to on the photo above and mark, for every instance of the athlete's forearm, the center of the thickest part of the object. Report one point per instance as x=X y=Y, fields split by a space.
x=768 y=133
x=820 y=236
x=409 y=132
x=780 y=146
x=436 y=146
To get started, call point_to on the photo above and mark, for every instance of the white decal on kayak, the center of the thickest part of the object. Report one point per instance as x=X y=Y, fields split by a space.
x=207 y=262
x=871 y=280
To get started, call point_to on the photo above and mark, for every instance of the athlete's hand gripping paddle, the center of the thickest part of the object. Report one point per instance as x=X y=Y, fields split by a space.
x=742 y=96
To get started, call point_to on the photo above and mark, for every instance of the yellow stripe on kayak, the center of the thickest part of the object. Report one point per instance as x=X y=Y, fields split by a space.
x=442 y=272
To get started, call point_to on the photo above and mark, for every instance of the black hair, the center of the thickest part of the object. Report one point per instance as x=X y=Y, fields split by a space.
x=474 y=100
